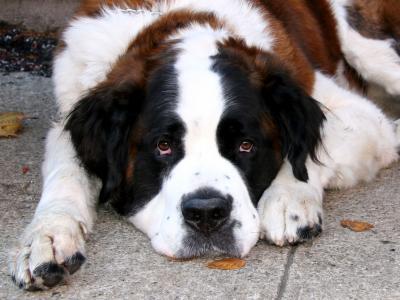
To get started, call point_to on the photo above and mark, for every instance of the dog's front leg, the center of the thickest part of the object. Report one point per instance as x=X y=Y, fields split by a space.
x=358 y=140
x=52 y=245
x=290 y=210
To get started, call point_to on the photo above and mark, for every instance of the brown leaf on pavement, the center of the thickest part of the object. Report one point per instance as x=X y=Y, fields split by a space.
x=357 y=226
x=10 y=123
x=227 y=264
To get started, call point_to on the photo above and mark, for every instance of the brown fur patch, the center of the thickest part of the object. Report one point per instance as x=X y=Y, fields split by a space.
x=292 y=56
x=270 y=129
x=150 y=44
x=137 y=134
x=391 y=17
x=310 y=29
x=323 y=14
x=131 y=165
x=367 y=23
x=375 y=19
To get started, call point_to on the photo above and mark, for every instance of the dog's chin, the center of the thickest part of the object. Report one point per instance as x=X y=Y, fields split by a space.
x=207 y=251
x=220 y=243
x=195 y=244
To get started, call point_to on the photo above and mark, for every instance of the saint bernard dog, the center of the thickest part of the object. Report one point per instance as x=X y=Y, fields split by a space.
x=210 y=124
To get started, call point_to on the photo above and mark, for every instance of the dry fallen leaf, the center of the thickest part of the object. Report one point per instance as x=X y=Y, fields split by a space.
x=357 y=226
x=10 y=123
x=227 y=264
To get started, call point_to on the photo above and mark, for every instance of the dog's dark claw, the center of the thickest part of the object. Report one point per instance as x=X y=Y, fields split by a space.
x=51 y=273
x=73 y=263
x=307 y=233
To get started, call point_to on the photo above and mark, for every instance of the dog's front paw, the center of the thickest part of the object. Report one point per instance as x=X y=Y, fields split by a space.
x=51 y=249
x=290 y=213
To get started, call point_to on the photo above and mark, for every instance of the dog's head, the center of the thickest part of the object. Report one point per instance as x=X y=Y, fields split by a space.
x=185 y=143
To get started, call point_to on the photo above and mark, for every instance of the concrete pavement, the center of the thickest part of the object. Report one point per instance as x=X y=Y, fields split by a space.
x=40 y=15
x=341 y=264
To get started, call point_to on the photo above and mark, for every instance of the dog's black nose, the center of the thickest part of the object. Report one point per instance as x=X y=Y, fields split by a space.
x=206 y=214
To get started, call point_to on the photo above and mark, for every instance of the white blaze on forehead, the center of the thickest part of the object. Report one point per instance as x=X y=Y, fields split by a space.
x=200 y=96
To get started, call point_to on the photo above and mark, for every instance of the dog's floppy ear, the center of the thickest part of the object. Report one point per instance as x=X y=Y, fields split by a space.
x=101 y=126
x=298 y=117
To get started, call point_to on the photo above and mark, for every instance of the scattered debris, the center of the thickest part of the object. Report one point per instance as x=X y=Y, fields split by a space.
x=357 y=226
x=22 y=50
x=11 y=123
x=227 y=264
x=25 y=169
x=175 y=259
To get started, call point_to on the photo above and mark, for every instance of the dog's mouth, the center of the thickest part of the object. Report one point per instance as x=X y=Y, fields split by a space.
x=196 y=244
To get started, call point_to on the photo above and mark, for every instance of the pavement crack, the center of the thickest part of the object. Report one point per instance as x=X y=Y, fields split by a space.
x=285 y=276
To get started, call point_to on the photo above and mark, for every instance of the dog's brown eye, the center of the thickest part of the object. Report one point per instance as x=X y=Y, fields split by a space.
x=246 y=146
x=164 y=148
